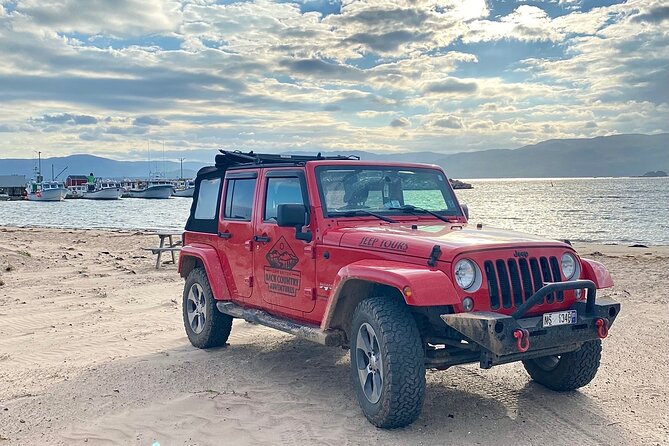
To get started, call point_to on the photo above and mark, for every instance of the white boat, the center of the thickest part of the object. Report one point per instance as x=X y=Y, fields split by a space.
x=46 y=191
x=152 y=189
x=76 y=191
x=186 y=191
x=103 y=190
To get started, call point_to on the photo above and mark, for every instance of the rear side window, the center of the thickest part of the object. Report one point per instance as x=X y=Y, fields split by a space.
x=207 y=199
x=239 y=199
x=281 y=191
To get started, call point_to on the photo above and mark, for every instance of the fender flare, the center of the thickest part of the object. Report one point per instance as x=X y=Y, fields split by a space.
x=597 y=272
x=429 y=287
x=212 y=266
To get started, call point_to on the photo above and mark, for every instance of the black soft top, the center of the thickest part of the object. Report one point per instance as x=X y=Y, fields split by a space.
x=228 y=160
x=239 y=160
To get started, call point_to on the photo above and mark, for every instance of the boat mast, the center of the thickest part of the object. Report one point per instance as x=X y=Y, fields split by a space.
x=148 y=149
x=181 y=160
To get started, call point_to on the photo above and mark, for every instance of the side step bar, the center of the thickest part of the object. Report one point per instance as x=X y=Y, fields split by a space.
x=329 y=338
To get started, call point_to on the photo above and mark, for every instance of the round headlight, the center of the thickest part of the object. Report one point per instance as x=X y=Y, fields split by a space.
x=568 y=264
x=465 y=274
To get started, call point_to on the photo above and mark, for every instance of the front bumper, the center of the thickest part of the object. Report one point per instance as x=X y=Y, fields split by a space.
x=494 y=332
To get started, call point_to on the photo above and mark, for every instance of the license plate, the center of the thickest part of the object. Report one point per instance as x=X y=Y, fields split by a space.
x=559 y=318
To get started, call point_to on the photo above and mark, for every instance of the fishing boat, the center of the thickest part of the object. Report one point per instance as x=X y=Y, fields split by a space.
x=75 y=191
x=46 y=191
x=157 y=188
x=185 y=191
x=103 y=190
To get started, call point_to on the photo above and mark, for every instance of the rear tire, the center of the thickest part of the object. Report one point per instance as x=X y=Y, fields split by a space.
x=206 y=327
x=568 y=371
x=389 y=380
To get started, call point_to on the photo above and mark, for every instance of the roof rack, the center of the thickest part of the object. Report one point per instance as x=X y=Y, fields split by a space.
x=227 y=159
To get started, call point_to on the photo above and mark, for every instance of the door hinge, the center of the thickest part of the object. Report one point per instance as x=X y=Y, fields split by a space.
x=310 y=293
x=310 y=251
x=249 y=281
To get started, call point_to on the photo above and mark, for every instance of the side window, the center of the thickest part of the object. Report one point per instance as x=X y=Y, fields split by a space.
x=281 y=191
x=239 y=199
x=207 y=199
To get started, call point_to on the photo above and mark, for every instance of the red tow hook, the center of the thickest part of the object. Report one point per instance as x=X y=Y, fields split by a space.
x=602 y=327
x=522 y=339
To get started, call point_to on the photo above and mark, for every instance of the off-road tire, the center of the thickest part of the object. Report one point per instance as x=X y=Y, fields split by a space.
x=573 y=370
x=402 y=355
x=217 y=325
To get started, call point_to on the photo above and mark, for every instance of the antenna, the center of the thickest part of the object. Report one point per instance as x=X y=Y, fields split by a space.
x=148 y=149
x=60 y=173
x=164 y=173
x=39 y=168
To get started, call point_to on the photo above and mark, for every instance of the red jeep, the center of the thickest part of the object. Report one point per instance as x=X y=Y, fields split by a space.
x=379 y=258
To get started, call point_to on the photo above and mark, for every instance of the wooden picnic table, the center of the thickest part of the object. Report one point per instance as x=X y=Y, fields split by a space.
x=171 y=247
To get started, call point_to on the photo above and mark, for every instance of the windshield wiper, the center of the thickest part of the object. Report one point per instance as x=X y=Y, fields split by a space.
x=357 y=212
x=413 y=209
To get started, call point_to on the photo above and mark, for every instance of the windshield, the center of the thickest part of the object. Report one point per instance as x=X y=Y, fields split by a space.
x=384 y=190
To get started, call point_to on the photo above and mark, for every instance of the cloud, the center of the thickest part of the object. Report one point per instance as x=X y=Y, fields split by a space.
x=327 y=74
x=386 y=42
x=68 y=118
x=526 y=23
x=5 y=128
x=120 y=17
x=451 y=85
x=656 y=14
x=400 y=122
x=448 y=122
x=148 y=120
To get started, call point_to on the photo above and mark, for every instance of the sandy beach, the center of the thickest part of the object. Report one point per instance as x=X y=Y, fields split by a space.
x=93 y=351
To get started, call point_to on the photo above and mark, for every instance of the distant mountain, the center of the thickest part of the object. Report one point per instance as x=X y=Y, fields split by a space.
x=618 y=155
x=103 y=167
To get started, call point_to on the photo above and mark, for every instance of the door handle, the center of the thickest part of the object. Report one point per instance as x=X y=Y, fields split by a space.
x=224 y=235
x=261 y=238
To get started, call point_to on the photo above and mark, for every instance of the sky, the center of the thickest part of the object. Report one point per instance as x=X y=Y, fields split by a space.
x=114 y=78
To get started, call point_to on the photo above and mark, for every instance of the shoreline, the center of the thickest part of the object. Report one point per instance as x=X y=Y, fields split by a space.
x=575 y=242
x=93 y=351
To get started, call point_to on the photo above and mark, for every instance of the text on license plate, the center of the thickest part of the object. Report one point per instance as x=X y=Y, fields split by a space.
x=559 y=318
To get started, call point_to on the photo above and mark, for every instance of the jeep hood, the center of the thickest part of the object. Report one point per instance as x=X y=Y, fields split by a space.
x=453 y=239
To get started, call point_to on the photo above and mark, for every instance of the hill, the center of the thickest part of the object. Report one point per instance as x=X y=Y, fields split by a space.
x=104 y=167
x=618 y=155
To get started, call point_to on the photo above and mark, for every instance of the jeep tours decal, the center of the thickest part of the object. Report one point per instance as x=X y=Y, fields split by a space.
x=279 y=275
x=388 y=245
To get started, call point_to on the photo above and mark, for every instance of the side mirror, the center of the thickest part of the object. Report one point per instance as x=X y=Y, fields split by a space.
x=465 y=210
x=291 y=215
x=296 y=215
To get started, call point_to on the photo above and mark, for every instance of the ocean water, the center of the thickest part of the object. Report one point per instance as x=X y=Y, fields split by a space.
x=605 y=210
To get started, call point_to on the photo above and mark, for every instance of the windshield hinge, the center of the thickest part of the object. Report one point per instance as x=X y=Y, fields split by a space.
x=434 y=255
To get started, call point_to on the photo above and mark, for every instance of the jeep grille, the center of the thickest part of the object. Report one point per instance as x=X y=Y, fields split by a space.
x=512 y=281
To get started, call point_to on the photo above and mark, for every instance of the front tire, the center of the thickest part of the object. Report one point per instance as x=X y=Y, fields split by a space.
x=206 y=327
x=568 y=371
x=387 y=362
